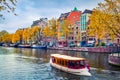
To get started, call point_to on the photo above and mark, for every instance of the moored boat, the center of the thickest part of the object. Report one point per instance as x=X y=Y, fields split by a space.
x=114 y=59
x=5 y=45
x=39 y=46
x=23 y=46
x=73 y=65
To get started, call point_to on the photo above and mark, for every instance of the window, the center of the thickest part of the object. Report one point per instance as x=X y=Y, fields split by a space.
x=72 y=38
x=76 y=27
x=73 y=17
x=82 y=63
x=66 y=63
x=60 y=43
x=62 y=61
x=53 y=60
x=77 y=63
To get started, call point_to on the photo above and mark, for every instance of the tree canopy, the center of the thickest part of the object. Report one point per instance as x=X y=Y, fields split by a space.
x=105 y=20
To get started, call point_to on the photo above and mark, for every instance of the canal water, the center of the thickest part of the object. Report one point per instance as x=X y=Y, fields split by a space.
x=33 y=64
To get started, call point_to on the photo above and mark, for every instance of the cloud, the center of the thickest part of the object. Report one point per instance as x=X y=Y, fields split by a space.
x=31 y=10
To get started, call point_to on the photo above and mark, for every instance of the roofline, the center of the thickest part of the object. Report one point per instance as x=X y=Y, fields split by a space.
x=67 y=57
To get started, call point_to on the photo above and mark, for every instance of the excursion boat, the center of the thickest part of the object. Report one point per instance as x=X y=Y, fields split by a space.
x=114 y=59
x=73 y=65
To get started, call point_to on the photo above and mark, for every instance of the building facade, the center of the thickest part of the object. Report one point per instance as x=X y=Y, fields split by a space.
x=74 y=18
x=42 y=22
x=84 y=21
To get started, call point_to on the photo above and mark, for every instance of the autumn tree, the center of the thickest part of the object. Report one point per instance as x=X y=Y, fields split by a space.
x=2 y=34
x=105 y=20
x=53 y=24
x=66 y=28
x=0 y=37
x=96 y=26
x=47 y=32
x=35 y=33
x=15 y=38
x=18 y=36
x=7 y=38
x=26 y=35
x=7 y=5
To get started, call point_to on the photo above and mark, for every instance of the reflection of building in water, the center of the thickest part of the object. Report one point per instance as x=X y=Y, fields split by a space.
x=24 y=52
x=34 y=53
x=98 y=60
x=78 y=55
x=40 y=53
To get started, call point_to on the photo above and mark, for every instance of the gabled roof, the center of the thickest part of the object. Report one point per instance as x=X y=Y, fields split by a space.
x=87 y=11
x=64 y=16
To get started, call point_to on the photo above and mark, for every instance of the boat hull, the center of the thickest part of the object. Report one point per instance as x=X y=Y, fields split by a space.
x=114 y=60
x=83 y=71
x=23 y=46
x=39 y=47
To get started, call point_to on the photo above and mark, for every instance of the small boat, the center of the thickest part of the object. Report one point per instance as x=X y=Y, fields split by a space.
x=1 y=44
x=5 y=45
x=39 y=46
x=23 y=46
x=13 y=45
x=73 y=65
x=114 y=59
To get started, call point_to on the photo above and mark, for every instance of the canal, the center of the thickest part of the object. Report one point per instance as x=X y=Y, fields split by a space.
x=33 y=64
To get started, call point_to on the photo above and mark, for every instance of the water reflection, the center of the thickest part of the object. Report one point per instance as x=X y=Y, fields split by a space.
x=96 y=60
x=33 y=64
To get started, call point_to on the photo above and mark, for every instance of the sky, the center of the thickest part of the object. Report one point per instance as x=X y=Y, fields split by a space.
x=30 y=10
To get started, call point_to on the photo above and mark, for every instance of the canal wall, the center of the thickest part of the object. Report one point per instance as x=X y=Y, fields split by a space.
x=99 y=49
x=89 y=49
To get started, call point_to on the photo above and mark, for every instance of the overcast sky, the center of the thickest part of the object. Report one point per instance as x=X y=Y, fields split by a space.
x=31 y=10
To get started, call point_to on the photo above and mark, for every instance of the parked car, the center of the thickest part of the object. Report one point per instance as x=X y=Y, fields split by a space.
x=90 y=45
x=91 y=42
x=109 y=44
x=72 y=45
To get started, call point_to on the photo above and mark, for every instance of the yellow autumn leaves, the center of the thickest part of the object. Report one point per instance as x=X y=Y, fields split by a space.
x=105 y=20
x=33 y=34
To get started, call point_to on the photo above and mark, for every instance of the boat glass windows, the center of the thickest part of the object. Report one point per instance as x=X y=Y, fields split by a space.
x=76 y=64
x=53 y=60
x=82 y=63
x=73 y=64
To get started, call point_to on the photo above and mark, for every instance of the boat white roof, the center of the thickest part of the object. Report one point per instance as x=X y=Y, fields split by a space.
x=66 y=57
